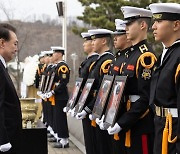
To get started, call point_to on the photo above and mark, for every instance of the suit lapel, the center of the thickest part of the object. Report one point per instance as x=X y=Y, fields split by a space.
x=9 y=81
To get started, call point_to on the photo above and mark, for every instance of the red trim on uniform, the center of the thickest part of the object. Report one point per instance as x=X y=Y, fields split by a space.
x=130 y=67
x=144 y=144
x=116 y=68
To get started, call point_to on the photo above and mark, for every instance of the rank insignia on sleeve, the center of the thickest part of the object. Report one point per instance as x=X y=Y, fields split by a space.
x=146 y=73
x=63 y=76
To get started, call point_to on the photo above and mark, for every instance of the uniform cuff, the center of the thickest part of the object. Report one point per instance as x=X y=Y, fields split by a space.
x=87 y=110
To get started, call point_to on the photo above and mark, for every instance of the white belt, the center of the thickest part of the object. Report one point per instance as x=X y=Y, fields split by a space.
x=133 y=98
x=163 y=112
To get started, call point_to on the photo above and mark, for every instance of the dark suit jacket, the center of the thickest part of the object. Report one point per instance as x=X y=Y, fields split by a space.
x=10 y=111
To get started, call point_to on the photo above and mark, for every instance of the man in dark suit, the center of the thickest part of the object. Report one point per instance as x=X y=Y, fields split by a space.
x=10 y=111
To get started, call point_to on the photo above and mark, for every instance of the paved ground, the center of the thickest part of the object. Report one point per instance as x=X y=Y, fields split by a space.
x=71 y=150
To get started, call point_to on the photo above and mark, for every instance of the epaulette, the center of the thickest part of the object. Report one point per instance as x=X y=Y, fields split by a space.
x=177 y=72
x=90 y=67
x=143 y=48
x=146 y=66
x=105 y=66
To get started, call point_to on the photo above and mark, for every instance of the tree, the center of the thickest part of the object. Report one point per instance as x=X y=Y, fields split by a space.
x=16 y=74
x=102 y=13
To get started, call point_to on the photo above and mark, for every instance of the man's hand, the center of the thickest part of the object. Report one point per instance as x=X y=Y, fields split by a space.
x=99 y=121
x=5 y=147
x=91 y=117
x=43 y=96
x=65 y=109
x=72 y=112
x=114 y=130
x=49 y=94
x=81 y=115
x=39 y=93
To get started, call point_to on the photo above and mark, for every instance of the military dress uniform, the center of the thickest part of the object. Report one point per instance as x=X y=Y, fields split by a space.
x=165 y=88
x=135 y=119
x=116 y=69
x=47 y=107
x=84 y=70
x=60 y=98
x=99 y=69
x=83 y=73
x=135 y=116
x=39 y=72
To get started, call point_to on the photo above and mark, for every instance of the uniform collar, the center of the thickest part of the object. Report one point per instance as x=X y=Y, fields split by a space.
x=93 y=54
x=141 y=46
x=60 y=61
x=106 y=52
x=140 y=43
x=176 y=42
x=3 y=61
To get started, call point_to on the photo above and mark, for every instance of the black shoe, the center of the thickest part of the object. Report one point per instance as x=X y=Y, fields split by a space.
x=52 y=139
x=50 y=135
x=59 y=145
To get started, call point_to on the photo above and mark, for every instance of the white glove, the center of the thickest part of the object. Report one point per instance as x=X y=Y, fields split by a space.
x=43 y=96
x=114 y=130
x=49 y=94
x=81 y=115
x=5 y=147
x=72 y=112
x=103 y=126
x=39 y=93
x=98 y=121
x=65 y=109
x=91 y=117
x=69 y=111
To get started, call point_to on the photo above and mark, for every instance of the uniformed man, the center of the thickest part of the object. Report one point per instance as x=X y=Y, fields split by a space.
x=84 y=70
x=40 y=69
x=101 y=44
x=38 y=77
x=165 y=85
x=59 y=97
x=50 y=74
x=47 y=109
x=135 y=122
x=123 y=46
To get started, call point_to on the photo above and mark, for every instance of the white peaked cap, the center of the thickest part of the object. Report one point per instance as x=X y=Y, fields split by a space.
x=165 y=7
x=85 y=34
x=99 y=31
x=48 y=52
x=57 y=48
x=129 y=12
x=42 y=54
x=120 y=24
x=165 y=11
x=120 y=27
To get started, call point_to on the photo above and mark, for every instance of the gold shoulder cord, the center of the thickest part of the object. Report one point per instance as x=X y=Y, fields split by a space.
x=167 y=133
x=39 y=72
x=177 y=72
x=63 y=69
x=103 y=66
x=141 y=60
x=91 y=66
x=43 y=68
